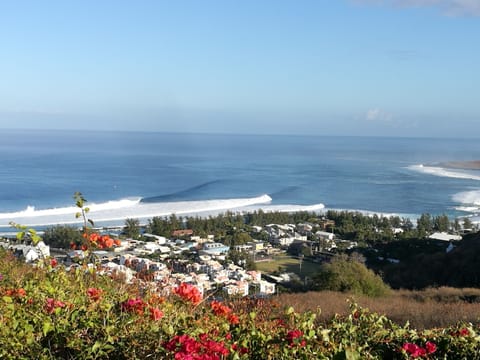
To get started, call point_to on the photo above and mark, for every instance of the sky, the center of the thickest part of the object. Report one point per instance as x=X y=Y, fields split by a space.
x=321 y=67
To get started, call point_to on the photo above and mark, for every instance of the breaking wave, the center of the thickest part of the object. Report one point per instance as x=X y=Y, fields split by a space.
x=119 y=210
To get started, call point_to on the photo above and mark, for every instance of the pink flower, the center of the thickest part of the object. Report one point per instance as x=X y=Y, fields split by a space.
x=133 y=305
x=430 y=347
x=52 y=304
x=414 y=350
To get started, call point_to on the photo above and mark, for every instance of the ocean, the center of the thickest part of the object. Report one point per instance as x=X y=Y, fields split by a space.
x=141 y=175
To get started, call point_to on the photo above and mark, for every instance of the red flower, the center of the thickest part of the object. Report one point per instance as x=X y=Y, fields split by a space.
x=233 y=319
x=155 y=313
x=53 y=262
x=464 y=332
x=94 y=293
x=219 y=309
x=294 y=338
x=189 y=293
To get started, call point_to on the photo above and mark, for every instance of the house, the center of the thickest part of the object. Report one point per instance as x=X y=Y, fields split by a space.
x=214 y=249
x=266 y=288
x=324 y=235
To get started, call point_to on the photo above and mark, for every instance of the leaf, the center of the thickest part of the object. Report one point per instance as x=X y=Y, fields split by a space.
x=96 y=346
x=91 y=222
x=47 y=327
x=77 y=215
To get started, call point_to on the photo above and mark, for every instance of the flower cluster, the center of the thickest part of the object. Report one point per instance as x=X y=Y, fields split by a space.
x=295 y=338
x=94 y=294
x=188 y=348
x=138 y=306
x=16 y=292
x=416 y=351
x=133 y=305
x=188 y=292
x=223 y=310
x=52 y=304
x=101 y=241
x=461 y=332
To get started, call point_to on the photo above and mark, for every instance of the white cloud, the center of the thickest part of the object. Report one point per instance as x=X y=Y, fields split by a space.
x=377 y=114
x=448 y=7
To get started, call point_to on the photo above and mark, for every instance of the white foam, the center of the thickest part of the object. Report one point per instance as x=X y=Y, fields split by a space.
x=439 y=171
x=70 y=210
x=471 y=209
x=468 y=197
x=128 y=208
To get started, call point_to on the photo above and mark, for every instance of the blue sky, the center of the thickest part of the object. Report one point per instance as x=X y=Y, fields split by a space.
x=358 y=67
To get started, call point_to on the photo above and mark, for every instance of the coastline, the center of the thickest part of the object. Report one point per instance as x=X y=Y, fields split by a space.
x=461 y=165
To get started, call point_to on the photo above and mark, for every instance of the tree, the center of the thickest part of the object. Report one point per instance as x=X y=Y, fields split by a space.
x=61 y=236
x=345 y=274
x=467 y=223
x=424 y=225
x=441 y=223
x=132 y=228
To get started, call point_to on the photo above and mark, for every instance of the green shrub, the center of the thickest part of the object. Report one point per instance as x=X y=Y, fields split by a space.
x=347 y=275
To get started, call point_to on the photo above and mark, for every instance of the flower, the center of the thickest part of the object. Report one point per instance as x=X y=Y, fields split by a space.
x=53 y=262
x=233 y=319
x=133 y=305
x=294 y=338
x=414 y=350
x=155 y=313
x=189 y=293
x=94 y=293
x=52 y=304
x=430 y=347
x=188 y=348
x=220 y=309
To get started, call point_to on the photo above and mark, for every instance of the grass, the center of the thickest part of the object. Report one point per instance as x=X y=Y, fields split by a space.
x=288 y=263
x=430 y=308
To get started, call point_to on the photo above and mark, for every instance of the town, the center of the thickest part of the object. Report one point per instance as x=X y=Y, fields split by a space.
x=228 y=266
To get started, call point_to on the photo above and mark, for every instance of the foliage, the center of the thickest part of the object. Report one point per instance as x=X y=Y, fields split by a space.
x=347 y=275
x=26 y=234
x=422 y=268
x=61 y=236
x=49 y=313
x=132 y=228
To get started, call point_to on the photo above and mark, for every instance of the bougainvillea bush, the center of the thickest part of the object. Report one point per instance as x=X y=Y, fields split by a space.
x=49 y=313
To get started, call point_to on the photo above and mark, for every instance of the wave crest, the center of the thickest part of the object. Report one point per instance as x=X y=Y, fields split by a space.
x=119 y=210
